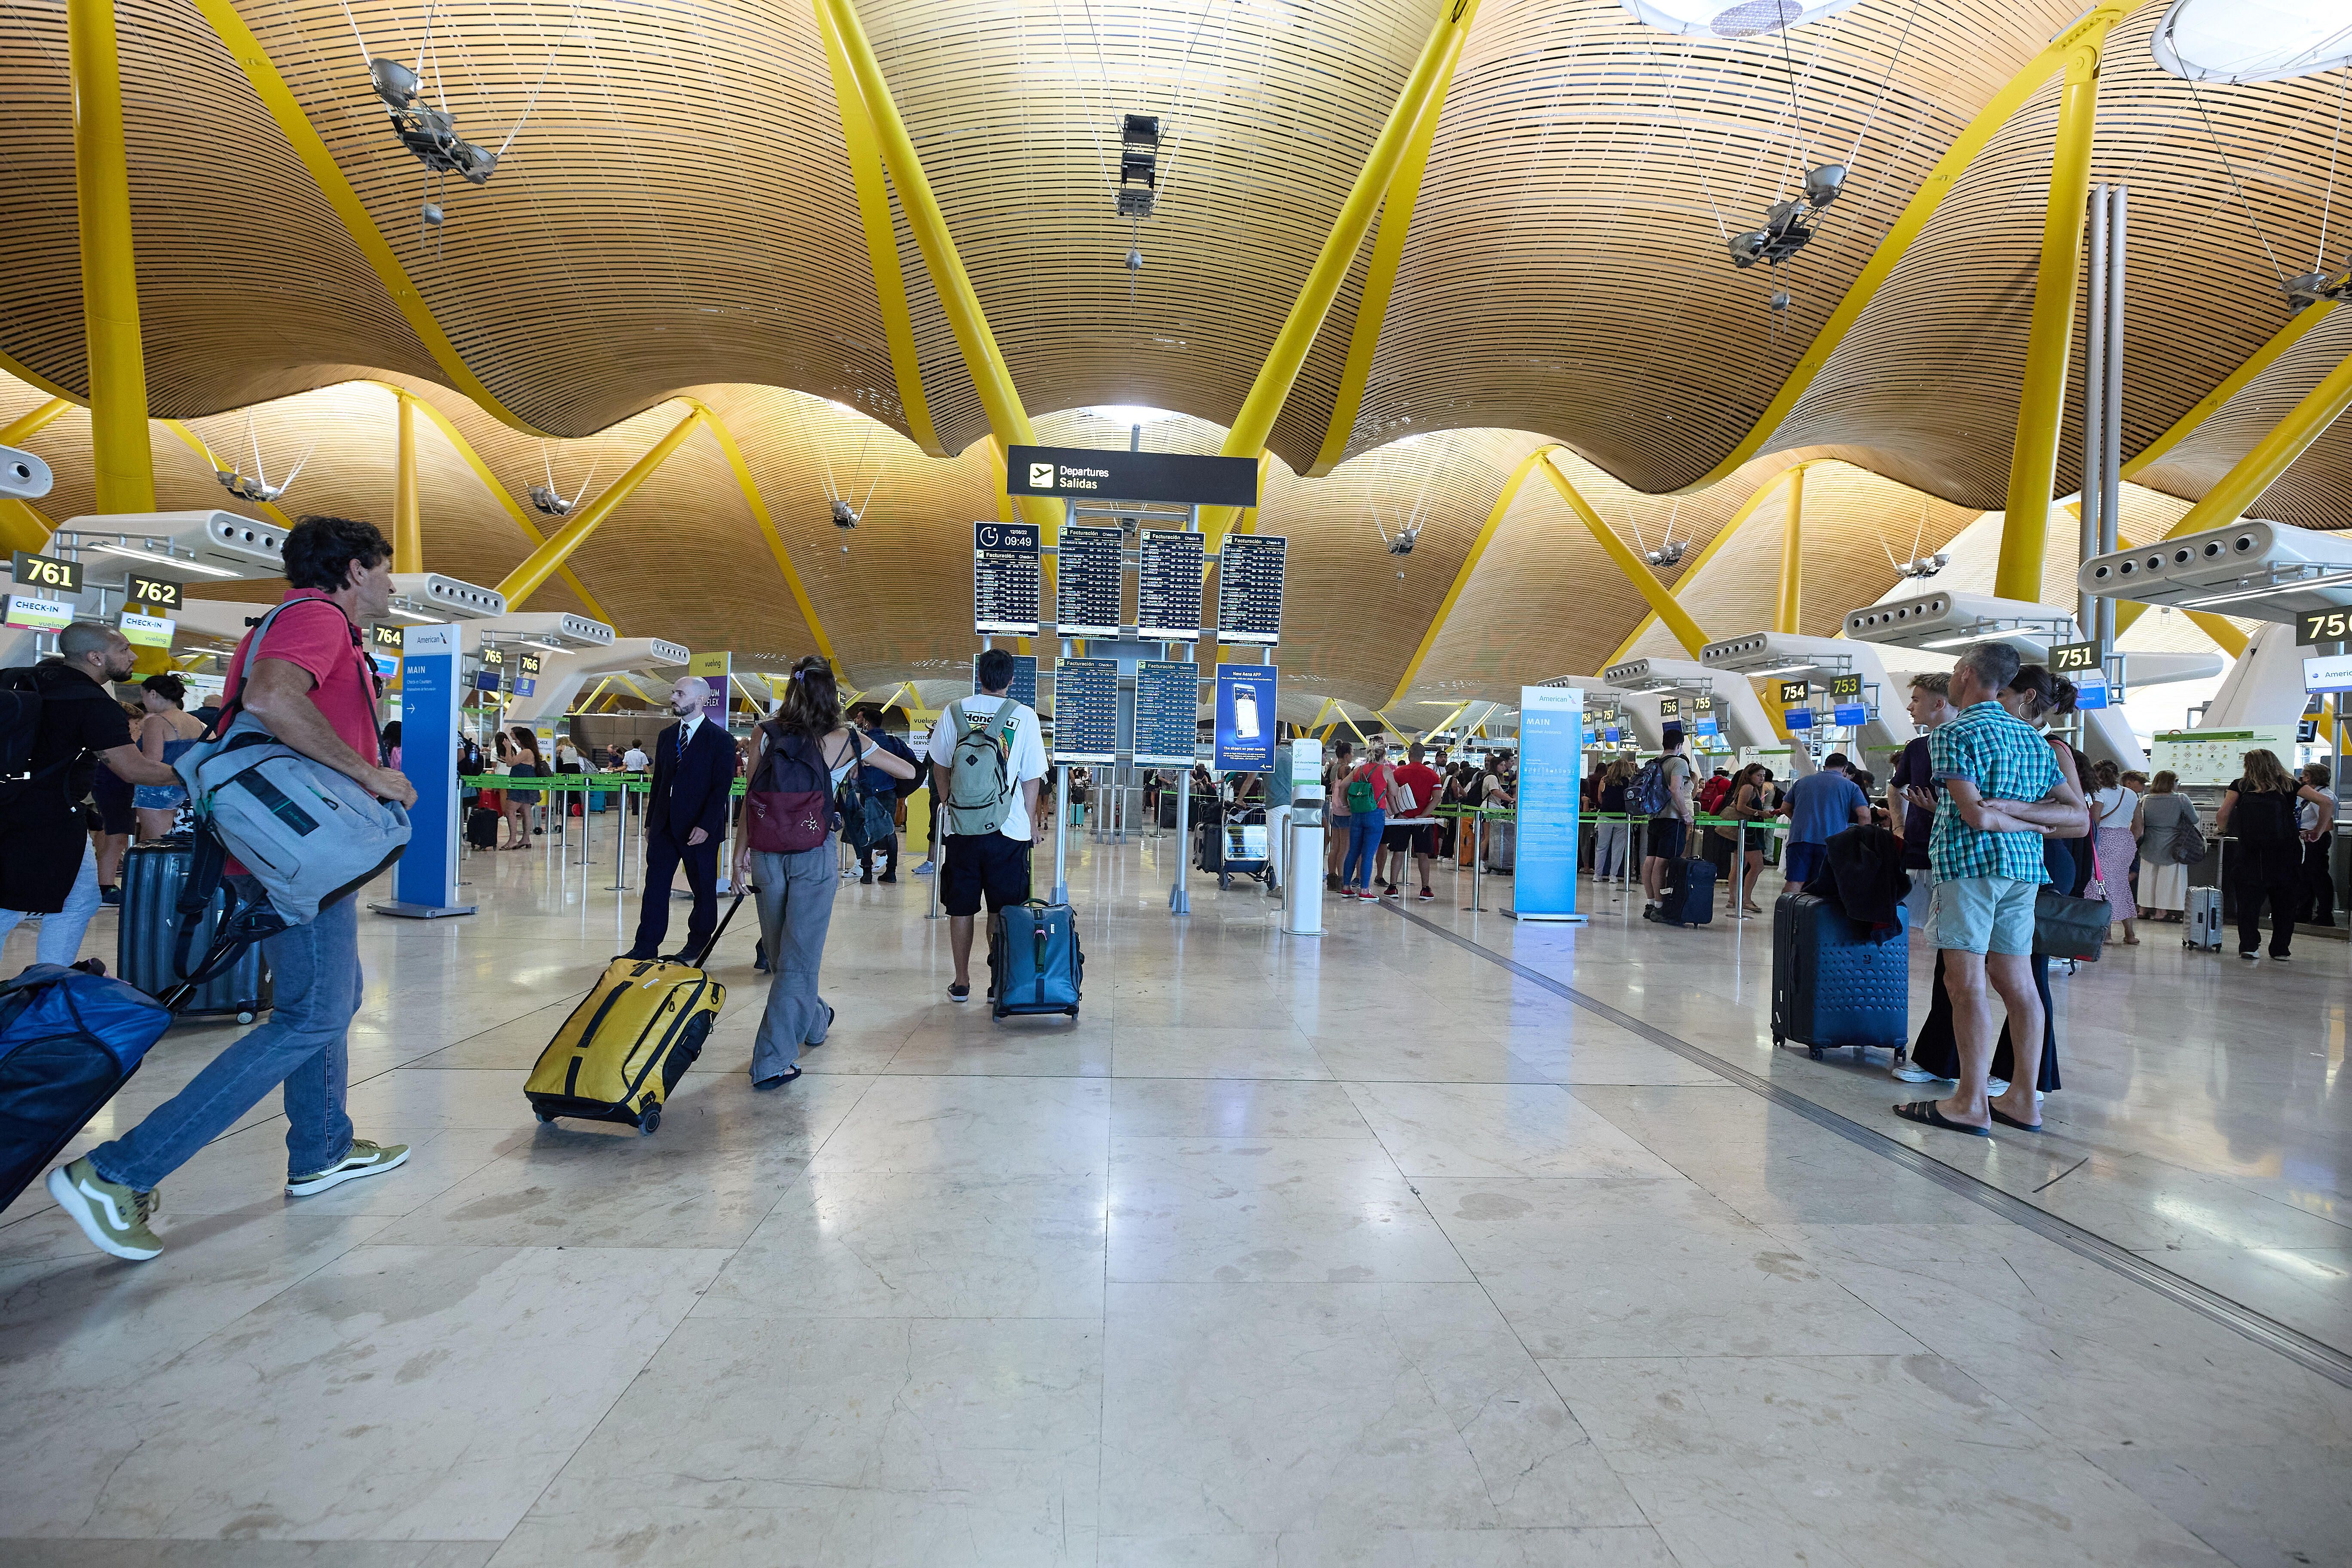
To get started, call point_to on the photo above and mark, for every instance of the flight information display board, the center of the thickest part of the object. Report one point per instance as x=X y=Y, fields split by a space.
x=1167 y=586
x=1024 y=679
x=1005 y=578
x=1087 y=593
x=1249 y=588
x=1167 y=713
x=1085 y=710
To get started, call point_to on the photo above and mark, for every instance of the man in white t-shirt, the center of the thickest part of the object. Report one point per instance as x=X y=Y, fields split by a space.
x=636 y=760
x=988 y=823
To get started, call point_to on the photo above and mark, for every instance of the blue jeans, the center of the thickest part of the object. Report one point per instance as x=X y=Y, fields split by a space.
x=315 y=971
x=1364 y=829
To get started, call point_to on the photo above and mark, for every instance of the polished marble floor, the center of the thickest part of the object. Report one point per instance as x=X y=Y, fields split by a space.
x=1358 y=1249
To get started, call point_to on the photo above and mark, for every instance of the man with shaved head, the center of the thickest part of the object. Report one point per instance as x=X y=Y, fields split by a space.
x=48 y=866
x=685 y=820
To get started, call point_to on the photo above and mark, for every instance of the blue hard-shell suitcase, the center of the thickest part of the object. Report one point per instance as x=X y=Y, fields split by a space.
x=1033 y=960
x=68 y=1041
x=1688 y=897
x=1833 y=985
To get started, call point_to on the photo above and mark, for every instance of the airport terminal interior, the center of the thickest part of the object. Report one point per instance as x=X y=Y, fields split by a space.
x=1540 y=383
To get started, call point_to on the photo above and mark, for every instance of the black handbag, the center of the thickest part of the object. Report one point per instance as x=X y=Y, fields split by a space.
x=2067 y=927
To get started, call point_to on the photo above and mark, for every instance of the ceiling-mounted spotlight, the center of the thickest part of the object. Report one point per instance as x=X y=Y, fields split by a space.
x=843 y=517
x=1138 y=164
x=256 y=489
x=1748 y=249
x=1823 y=183
x=549 y=502
x=429 y=132
x=1926 y=565
x=1406 y=538
x=2308 y=289
x=1669 y=553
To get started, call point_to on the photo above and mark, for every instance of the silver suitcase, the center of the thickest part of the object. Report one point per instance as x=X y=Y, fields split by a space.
x=2201 y=920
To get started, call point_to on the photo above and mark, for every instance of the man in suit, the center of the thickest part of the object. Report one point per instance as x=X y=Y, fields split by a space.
x=685 y=820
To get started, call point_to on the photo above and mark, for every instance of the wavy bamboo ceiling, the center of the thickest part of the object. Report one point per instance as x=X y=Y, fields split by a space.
x=677 y=217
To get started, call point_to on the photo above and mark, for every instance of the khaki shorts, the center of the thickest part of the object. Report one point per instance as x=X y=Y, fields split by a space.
x=1982 y=914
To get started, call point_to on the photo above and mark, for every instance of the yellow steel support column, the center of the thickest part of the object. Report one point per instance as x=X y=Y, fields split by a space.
x=1636 y=571
x=768 y=534
x=123 y=463
x=34 y=423
x=1792 y=556
x=1380 y=278
x=525 y=579
x=23 y=525
x=2261 y=467
x=407 y=522
x=990 y=376
x=1254 y=422
x=2041 y=405
x=1485 y=536
x=881 y=241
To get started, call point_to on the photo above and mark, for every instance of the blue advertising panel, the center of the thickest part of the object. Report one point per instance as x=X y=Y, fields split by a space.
x=1246 y=694
x=425 y=882
x=1543 y=876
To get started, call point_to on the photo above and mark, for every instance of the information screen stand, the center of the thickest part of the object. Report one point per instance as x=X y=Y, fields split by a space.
x=425 y=881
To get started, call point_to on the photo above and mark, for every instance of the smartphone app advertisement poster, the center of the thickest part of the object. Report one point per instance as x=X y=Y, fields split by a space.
x=1246 y=717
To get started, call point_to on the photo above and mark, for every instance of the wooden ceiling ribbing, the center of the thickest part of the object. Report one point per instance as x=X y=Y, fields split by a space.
x=678 y=215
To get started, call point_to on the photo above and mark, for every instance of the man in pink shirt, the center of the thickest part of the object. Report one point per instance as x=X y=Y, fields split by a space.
x=312 y=685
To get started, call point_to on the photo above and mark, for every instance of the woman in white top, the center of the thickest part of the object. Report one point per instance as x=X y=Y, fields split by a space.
x=2115 y=815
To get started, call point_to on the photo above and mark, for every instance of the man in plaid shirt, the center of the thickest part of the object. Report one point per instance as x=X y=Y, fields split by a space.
x=2001 y=795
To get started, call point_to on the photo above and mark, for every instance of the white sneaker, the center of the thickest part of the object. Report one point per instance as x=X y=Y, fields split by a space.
x=1904 y=1072
x=1996 y=1087
x=366 y=1159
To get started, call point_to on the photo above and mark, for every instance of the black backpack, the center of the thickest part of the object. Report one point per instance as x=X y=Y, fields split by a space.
x=867 y=819
x=23 y=696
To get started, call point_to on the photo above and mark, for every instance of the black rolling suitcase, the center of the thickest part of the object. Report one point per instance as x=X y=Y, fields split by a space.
x=482 y=828
x=1688 y=896
x=153 y=876
x=1833 y=985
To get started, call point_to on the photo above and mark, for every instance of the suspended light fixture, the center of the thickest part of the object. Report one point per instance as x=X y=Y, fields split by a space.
x=1733 y=18
x=2235 y=41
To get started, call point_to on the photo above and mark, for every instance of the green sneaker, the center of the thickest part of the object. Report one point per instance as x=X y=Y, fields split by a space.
x=112 y=1215
x=366 y=1159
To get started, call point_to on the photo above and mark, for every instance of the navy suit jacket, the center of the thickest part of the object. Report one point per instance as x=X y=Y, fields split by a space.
x=691 y=792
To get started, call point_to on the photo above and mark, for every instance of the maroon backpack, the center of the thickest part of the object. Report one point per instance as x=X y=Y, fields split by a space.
x=789 y=807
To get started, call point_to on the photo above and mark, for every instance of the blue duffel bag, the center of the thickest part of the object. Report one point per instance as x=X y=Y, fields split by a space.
x=68 y=1041
x=1033 y=960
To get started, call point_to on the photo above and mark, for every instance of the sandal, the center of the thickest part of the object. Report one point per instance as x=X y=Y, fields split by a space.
x=1924 y=1111
x=829 y=1017
x=2008 y=1120
x=777 y=1081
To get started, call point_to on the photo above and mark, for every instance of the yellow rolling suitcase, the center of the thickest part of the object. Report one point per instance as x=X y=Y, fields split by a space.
x=624 y=1047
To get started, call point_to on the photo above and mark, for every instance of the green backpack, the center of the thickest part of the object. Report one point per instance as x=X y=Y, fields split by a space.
x=980 y=776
